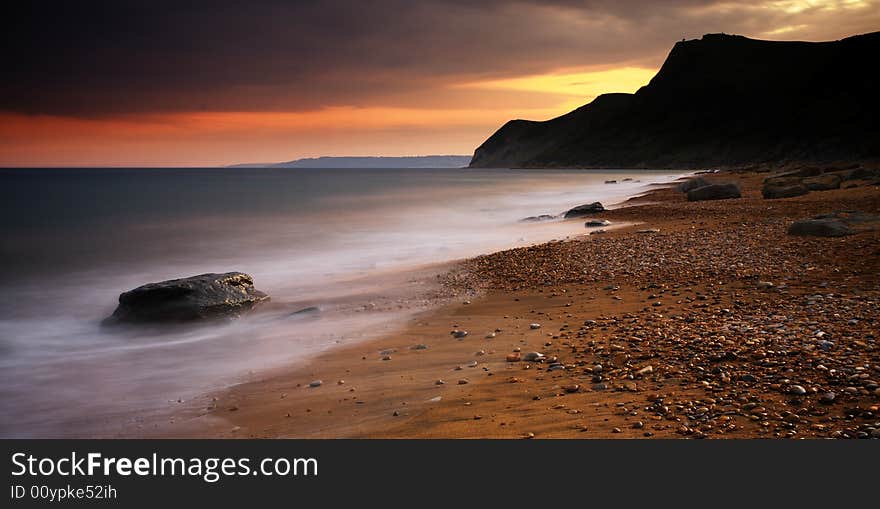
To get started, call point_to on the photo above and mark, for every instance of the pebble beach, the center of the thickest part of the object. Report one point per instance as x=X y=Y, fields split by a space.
x=682 y=319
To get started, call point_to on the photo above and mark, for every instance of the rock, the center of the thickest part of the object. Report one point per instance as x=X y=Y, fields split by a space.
x=571 y=388
x=691 y=184
x=420 y=346
x=463 y=381
x=194 y=298
x=459 y=333
x=534 y=326
x=819 y=228
x=316 y=383
x=536 y=219
x=772 y=192
x=797 y=390
x=765 y=285
x=585 y=210
x=647 y=370
x=439 y=382
x=533 y=356
x=828 y=398
x=513 y=357
x=597 y=232
x=649 y=230
x=596 y=223
x=714 y=192
x=822 y=182
x=610 y=181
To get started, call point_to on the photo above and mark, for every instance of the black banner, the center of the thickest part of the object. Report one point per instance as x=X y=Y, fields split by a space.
x=152 y=473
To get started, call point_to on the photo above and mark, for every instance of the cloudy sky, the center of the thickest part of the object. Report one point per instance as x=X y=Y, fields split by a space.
x=170 y=83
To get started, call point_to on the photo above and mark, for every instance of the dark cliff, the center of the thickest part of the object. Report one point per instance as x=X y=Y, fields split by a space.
x=719 y=100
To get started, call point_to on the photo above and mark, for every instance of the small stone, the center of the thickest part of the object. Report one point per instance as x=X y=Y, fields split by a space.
x=638 y=425
x=463 y=381
x=439 y=382
x=571 y=388
x=797 y=390
x=534 y=326
x=420 y=346
x=459 y=333
x=386 y=358
x=828 y=398
x=396 y=413
x=647 y=370
x=316 y=383
x=513 y=357
x=528 y=435
x=615 y=430
x=533 y=356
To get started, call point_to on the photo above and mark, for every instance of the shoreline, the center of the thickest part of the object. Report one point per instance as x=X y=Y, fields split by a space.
x=645 y=387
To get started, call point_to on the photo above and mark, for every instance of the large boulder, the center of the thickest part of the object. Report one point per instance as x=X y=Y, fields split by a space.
x=585 y=210
x=771 y=191
x=824 y=182
x=820 y=227
x=693 y=183
x=190 y=299
x=714 y=192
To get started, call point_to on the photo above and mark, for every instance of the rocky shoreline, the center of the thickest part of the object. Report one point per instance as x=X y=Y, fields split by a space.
x=708 y=319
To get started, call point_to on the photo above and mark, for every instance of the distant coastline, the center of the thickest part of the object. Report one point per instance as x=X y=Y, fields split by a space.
x=434 y=161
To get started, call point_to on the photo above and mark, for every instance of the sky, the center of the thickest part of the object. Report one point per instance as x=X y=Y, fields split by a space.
x=156 y=83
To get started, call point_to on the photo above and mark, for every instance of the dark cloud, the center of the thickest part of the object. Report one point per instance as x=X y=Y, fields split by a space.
x=92 y=58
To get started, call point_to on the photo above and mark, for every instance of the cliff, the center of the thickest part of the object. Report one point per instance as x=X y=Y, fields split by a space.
x=719 y=100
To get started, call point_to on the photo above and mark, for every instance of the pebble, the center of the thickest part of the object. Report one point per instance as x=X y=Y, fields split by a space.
x=571 y=388
x=828 y=398
x=533 y=356
x=534 y=326
x=459 y=333
x=647 y=370
x=439 y=382
x=463 y=381
x=420 y=346
x=797 y=390
x=316 y=383
x=513 y=357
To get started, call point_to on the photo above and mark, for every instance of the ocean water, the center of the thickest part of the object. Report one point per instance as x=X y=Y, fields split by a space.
x=359 y=244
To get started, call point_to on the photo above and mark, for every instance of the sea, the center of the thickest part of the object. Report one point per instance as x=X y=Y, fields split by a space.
x=362 y=246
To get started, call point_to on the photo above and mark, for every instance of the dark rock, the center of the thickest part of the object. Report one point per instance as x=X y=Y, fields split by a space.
x=822 y=182
x=189 y=299
x=585 y=210
x=714 y=192
x=819 y=228
x=770 y=191
x=691 y=184
x=610 y=181
x=536 y=219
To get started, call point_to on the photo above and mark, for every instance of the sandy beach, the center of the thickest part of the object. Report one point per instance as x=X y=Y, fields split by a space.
x=697 y=319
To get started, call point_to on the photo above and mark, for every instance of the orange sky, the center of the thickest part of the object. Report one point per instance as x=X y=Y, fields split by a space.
x=451 y=114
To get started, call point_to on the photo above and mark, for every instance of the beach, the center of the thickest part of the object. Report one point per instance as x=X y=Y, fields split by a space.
x=697 y=319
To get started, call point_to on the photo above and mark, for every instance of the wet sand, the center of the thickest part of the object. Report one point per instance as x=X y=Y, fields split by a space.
x=717 y=324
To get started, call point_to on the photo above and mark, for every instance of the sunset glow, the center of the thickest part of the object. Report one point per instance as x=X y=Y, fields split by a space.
x=332 y=81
